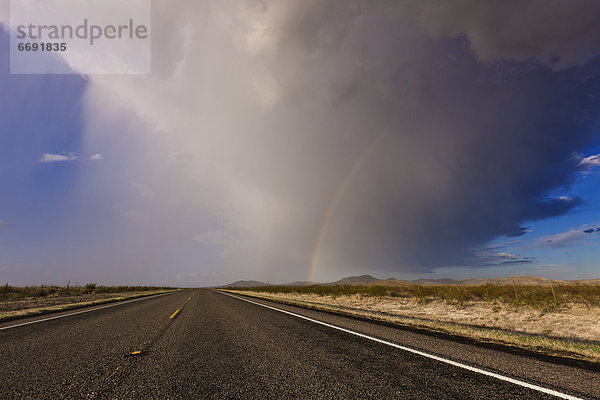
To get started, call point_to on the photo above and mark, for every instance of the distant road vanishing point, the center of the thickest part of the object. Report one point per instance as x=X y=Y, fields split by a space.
x=202 y=344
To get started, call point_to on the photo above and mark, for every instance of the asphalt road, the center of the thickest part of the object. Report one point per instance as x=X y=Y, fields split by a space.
x=222 y=347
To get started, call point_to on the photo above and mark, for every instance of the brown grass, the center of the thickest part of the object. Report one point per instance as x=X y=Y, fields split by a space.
x=31 y=306
x=12 y=292
x=543 y=298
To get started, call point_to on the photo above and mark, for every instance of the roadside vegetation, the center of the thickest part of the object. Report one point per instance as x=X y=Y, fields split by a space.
x=19 y=302
x=12 y=292
x=544 y=298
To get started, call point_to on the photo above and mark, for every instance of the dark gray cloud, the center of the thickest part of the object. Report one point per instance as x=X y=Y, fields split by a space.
x=519 y=232
x=364 y=134
x=556 y=34
x=473 y=159
x=469 y=150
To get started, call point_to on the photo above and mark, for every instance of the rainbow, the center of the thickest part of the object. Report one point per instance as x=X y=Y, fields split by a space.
x=335 y=198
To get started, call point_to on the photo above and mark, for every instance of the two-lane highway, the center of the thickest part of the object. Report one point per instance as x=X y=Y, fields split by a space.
x=204 y=344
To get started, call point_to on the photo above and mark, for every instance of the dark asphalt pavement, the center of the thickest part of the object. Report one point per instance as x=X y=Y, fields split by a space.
x=219 y=347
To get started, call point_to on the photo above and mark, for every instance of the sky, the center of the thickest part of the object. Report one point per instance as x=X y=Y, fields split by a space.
x=312 y=140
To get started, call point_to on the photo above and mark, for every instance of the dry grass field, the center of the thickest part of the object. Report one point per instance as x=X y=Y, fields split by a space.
x=542 y=298
x=32 y=300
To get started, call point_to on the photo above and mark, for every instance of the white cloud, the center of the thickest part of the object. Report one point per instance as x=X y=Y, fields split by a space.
x=49 y=157
x=490 y=256
x=506 y=255
x=572 y=237
x=590 y=162
x=96 y=156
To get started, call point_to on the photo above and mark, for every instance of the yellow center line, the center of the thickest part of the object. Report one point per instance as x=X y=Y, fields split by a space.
x=175 y=314
x=133 y=353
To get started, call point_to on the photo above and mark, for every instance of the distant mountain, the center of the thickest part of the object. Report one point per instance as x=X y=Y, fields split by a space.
x=355 y=280
x=370 y=280
x=246 y=284
x=301 y=283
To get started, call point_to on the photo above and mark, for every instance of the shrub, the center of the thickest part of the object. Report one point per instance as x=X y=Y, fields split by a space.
x=89 y=288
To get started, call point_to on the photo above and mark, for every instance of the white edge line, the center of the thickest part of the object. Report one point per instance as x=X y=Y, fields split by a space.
x=118 y=303
x=421 y=353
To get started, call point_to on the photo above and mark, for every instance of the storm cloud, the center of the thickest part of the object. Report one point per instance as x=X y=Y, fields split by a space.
x=293 y=137
x=362 y=134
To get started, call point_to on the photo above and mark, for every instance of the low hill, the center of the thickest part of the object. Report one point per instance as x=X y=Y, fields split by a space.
x=393 y=282
x=301 y=283
x=355 y=280
x=246 y=284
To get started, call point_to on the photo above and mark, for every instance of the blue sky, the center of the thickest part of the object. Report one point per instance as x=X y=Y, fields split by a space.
x=39 y=114
x=385 y=144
